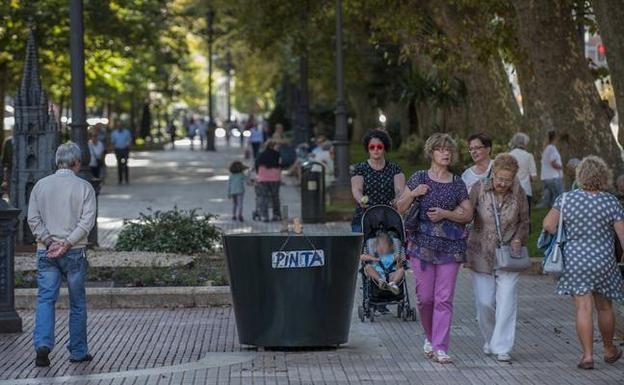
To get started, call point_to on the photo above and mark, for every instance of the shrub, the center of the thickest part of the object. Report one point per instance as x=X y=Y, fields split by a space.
x=174 y=231
x=412 y=149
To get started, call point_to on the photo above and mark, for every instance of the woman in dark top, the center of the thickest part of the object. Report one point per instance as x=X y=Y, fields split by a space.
x=436 y=243
x=375 y=181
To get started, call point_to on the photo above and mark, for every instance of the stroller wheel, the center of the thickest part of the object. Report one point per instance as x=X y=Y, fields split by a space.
x=400 y=310
x=405 y=314
x=361 y=313
x=413 y=314
x=371 y=315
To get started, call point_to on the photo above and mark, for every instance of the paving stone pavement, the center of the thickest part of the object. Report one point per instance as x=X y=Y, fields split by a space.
x=200 y=346
x=187 y=179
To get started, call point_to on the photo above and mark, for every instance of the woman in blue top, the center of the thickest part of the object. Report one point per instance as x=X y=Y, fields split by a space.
x=437 y=244
x=236 y=189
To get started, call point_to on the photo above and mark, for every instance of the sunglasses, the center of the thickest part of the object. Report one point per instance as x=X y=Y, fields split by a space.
x=373 y=147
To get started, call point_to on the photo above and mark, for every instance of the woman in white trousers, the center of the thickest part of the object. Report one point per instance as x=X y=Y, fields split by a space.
x=496 y=290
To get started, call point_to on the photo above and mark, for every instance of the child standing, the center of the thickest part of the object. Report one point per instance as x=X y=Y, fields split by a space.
x=236 y=189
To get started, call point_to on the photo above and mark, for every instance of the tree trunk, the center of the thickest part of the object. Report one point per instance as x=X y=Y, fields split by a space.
x=610 y=14
x=556 y=84
x=4 y=73
x=489 y=102
x=364 y=116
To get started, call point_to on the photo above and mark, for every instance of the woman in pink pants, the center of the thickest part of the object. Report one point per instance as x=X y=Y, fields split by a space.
x=436 y=241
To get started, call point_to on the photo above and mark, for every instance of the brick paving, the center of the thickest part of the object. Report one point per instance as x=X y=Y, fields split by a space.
x=200 y=346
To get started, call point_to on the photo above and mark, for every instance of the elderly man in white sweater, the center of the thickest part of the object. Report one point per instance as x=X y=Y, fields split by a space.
x=61 y=212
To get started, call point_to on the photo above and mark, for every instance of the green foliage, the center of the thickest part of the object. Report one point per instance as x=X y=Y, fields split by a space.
x=412 y=149
x=175 y=231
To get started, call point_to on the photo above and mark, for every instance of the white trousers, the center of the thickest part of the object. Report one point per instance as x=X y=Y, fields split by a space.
x=497 y=309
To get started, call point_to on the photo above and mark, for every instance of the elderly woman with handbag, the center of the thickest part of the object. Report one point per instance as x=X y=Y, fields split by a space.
x=496 y=253
x=591 y=216
x=437 y=240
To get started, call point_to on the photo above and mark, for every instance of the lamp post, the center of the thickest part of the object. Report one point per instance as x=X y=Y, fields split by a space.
x=210 y=140
x=228 y=63
x=79 y=110
x=79 y=115
x=341 y=187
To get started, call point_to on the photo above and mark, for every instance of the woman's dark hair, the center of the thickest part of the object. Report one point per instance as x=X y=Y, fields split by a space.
x=552 y=134
x=377 y=134
x=237 y=167
x=485 y=139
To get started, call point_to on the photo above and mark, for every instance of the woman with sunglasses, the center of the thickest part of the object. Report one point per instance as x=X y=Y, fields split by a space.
x=496 y=290
x=436 y=244
x=375 y=181
x=480 y=147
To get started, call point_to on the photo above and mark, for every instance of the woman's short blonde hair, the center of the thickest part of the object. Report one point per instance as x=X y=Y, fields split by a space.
x=440 y=140
x=505 y=162
x=593 y=174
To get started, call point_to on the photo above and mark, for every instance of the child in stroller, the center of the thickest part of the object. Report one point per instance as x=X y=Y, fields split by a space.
x=384 y=264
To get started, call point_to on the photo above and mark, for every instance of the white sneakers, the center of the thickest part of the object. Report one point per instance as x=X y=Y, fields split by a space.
x=428 y=349
x=438 y=356
x=442 y=358
x=486 y=349
x=503 y=357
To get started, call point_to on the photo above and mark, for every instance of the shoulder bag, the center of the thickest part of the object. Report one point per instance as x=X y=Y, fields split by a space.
x=553 y=262
x=506 y=260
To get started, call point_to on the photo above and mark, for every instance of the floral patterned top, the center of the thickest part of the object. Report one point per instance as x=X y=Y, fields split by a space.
x=378 y=185
x=444 y=241
x=483 y=239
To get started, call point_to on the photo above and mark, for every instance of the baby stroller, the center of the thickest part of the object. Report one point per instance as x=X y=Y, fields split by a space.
x=383 y=218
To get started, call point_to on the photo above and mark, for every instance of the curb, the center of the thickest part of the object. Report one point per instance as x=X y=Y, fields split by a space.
x=136 y=297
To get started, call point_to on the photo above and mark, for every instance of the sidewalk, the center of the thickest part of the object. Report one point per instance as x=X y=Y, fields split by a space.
x=188 y=179
x=200 y=346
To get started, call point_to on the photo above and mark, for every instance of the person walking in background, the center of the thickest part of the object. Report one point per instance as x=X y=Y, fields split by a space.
x=236 y=189
x=268 y=176
x=121 y=138
x=496 y=290
x=96 y=154
x=256 y=138
x=571 y=167
x=552 y=172
x=437 y=244
x=202 y=128
x=591 y=217
x=375 y=181
x=480 y=147
x=61 y=213
x=527 y=170
x=171 y=130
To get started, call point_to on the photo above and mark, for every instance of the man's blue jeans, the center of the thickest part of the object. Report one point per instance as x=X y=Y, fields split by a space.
x=73 y=267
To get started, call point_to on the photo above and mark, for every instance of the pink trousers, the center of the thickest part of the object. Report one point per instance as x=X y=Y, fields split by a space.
x=435 y=287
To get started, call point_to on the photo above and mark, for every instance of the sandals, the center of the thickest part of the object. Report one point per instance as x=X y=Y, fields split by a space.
x=614 y=358
x=585 y=365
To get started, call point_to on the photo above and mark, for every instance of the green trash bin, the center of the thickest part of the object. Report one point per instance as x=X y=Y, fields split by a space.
x=293 y=290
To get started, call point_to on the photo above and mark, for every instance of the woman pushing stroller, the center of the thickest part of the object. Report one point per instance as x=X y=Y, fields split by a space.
x=384 y=264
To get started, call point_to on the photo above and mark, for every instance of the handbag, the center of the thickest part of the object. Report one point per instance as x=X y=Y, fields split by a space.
x=553 y=262
x=506 y=260
x=412 y=222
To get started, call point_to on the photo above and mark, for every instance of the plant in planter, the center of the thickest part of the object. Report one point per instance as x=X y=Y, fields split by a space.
x=175 y=231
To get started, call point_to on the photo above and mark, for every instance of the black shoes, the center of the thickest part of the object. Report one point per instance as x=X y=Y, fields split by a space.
x=86 y=358
x=42 y=356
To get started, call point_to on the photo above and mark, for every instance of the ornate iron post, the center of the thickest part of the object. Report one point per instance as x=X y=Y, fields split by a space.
x=210 y=140
x=10 y=321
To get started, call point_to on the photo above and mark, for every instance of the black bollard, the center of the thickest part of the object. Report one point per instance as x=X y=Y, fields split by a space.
x=10 y=321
